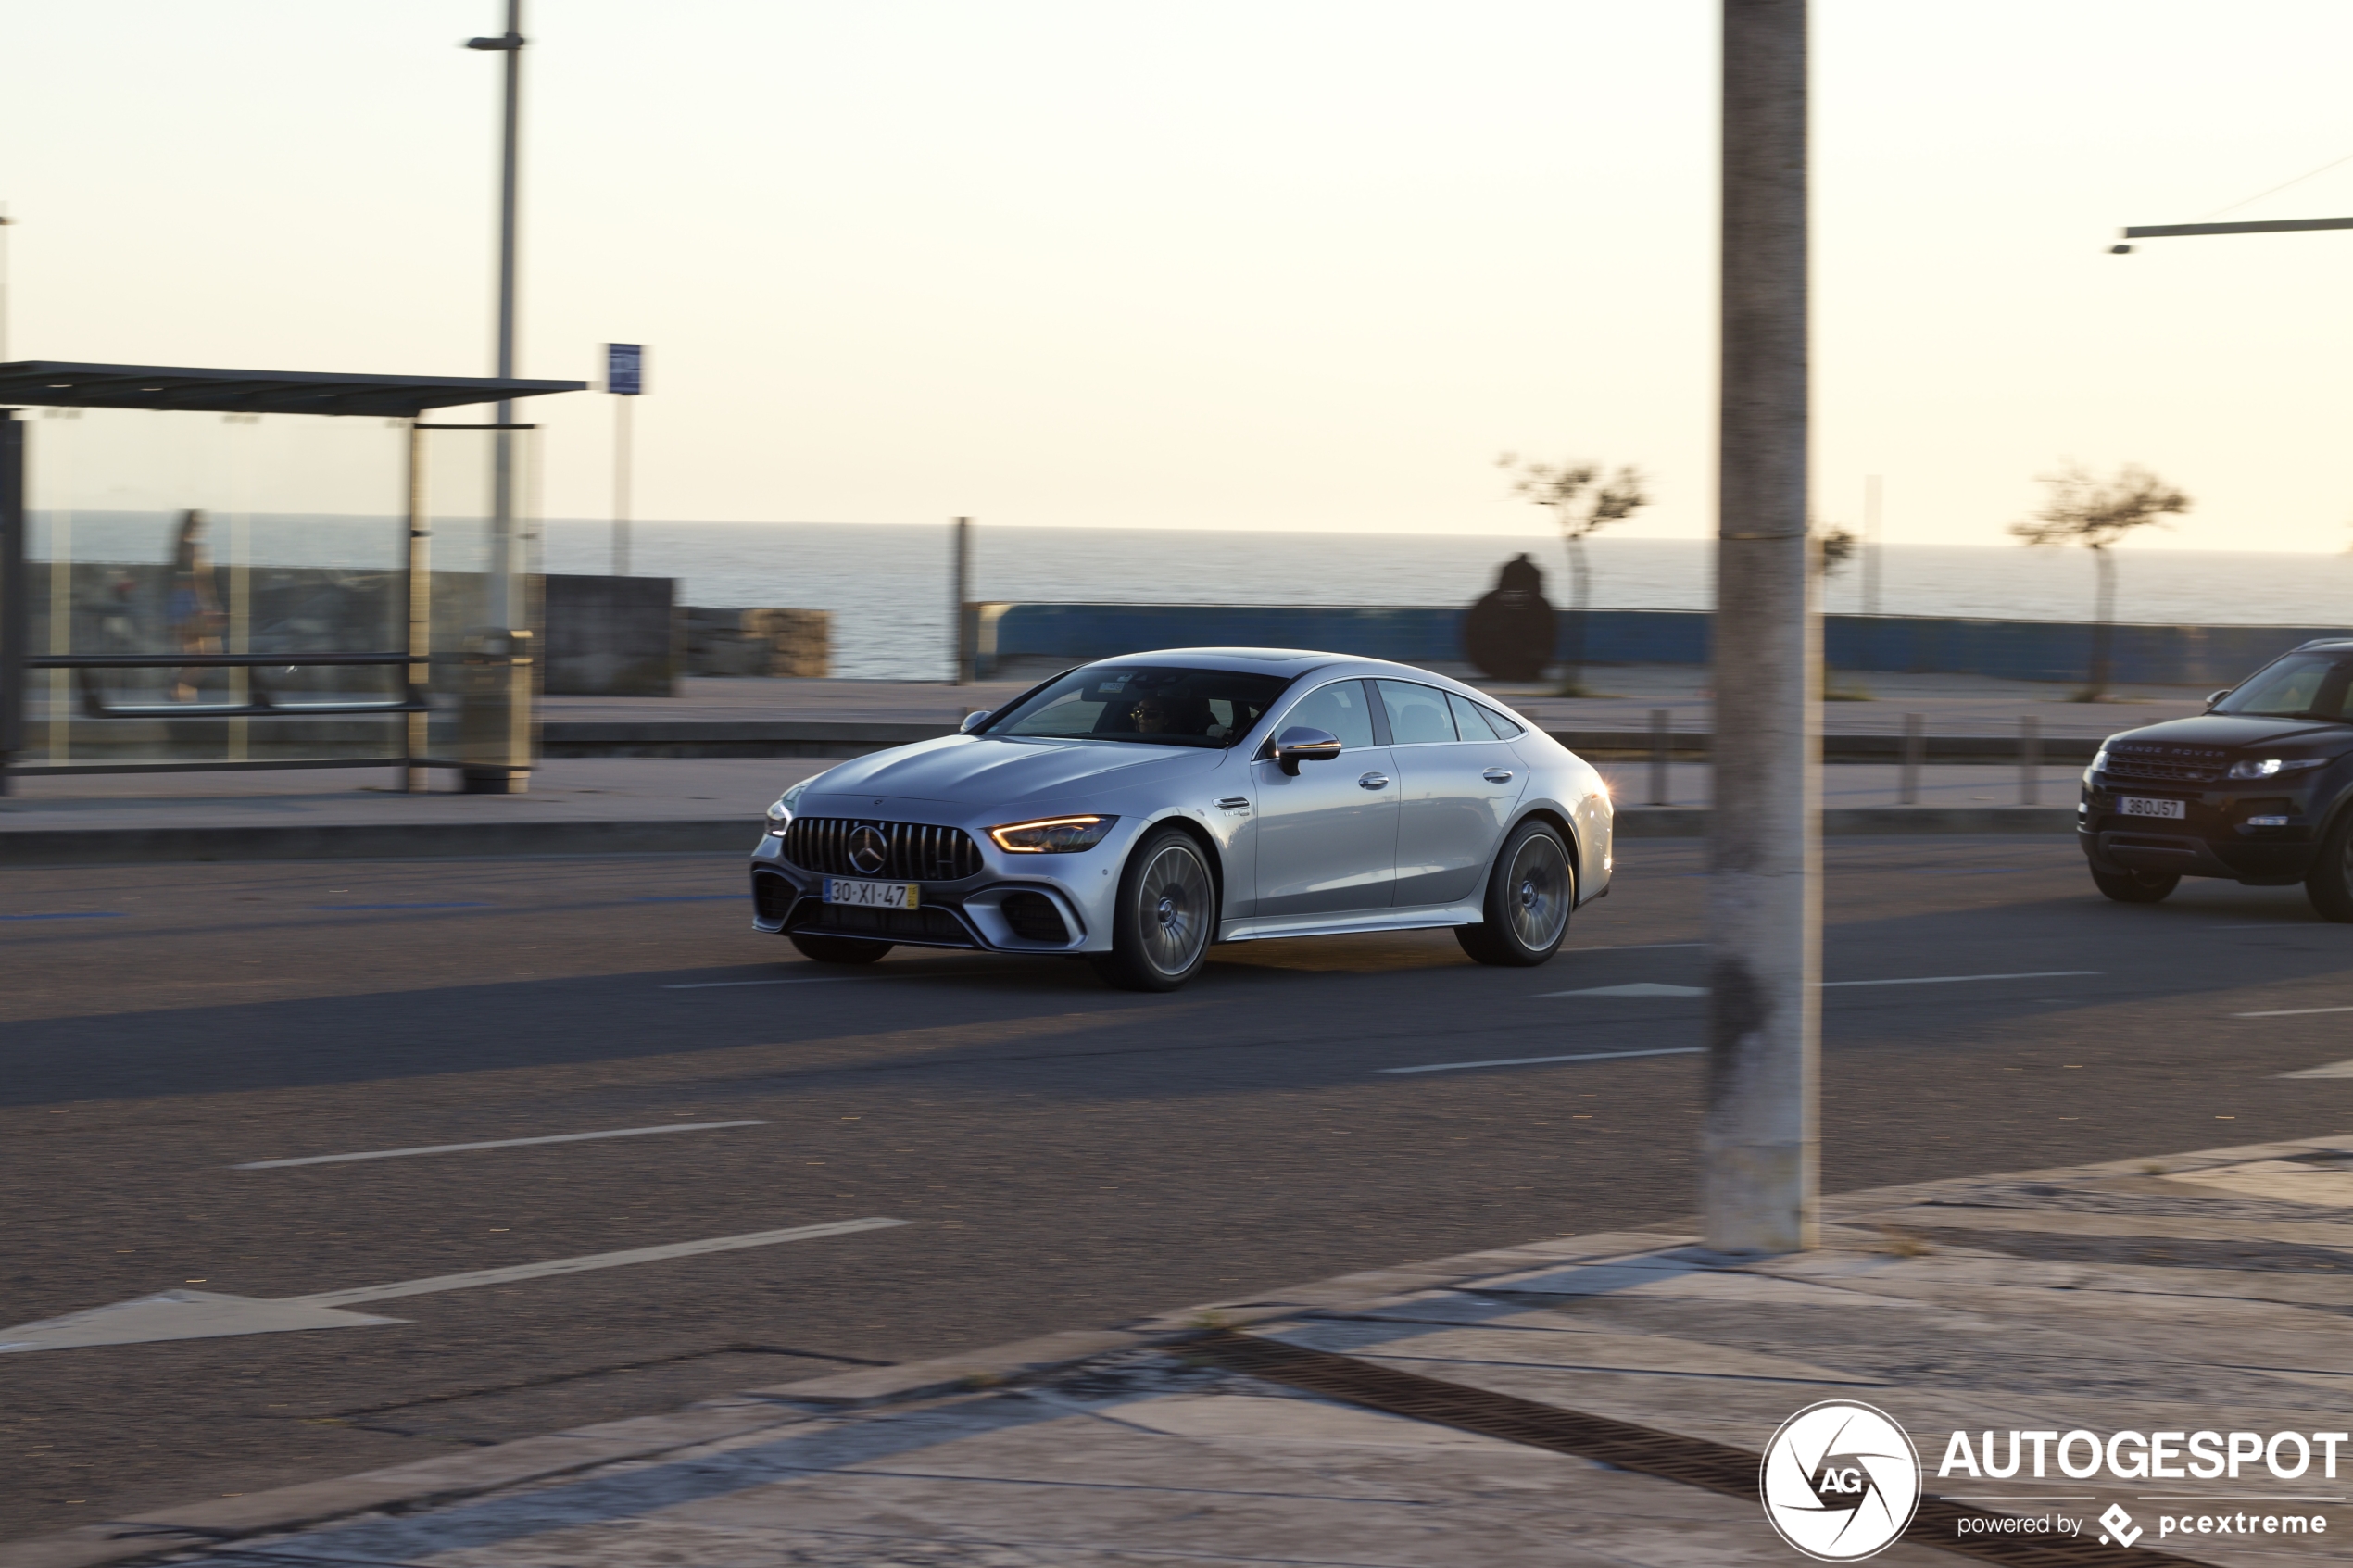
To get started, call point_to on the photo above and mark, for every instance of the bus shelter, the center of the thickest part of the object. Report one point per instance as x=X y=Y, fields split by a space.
x=207 y=569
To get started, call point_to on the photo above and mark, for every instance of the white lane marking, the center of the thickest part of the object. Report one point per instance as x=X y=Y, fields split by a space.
x=1646 y=988
x=2273 y=925
x=1956 y=979
x=1633 y=947
x=197 y=1314
x=594 y=1260
x=1638 y=988
x=1533 y=1060
x=494 y=1143
x=2289 y=1012
x=2333 y=1070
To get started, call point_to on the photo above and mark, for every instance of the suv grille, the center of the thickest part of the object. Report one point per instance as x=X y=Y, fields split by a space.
x=2168 y=764
x=911 y=851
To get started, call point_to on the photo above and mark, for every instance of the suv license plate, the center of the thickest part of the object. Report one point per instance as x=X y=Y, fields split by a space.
x=2141 y=806
x=872 y=895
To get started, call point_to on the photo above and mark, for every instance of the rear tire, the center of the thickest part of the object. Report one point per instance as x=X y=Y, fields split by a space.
x=1530 y=894
x=2135 y=888
x=2329 y=882
x=839 y=949
x=1166 y=915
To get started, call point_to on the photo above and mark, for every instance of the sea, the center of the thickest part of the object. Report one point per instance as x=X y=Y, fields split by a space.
x=887 y=586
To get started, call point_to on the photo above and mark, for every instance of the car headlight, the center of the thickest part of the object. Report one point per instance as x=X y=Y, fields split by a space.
x=2099 y=762
x=2271 y=767
x=780 y=810
x=1052 y=836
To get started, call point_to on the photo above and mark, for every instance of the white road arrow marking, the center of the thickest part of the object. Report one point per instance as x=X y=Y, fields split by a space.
x=197 y=1314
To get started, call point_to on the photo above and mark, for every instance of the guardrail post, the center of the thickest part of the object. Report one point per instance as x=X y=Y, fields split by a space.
x=2030 y=761
x=960 y=629
x=1662 y=756
x=1907 y=785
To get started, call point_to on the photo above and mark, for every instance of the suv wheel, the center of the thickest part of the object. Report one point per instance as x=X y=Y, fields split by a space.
x=1529 y=895
x=2329 y=882
x=1166 y=915
x=2135 y=888
x=839 y=949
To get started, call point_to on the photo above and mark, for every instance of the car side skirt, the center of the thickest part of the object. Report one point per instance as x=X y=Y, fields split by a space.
x=1428 y=917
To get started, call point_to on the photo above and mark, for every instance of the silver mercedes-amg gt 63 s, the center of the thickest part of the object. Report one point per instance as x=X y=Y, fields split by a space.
x=1134 y=811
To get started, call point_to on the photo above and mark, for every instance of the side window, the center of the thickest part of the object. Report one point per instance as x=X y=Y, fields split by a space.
x=1339 y=709
x=1505 y=729
x=1417 y=714
x=1469 y=718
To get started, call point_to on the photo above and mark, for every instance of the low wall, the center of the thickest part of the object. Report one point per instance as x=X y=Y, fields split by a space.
x=2017 y=650
x=610 y=636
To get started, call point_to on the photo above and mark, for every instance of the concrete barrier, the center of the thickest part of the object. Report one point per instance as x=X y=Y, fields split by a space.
x=2017 y=650
x=611 y=636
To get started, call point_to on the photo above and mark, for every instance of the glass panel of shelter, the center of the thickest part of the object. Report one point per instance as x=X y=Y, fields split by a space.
x=217 y=537
x=233 y=539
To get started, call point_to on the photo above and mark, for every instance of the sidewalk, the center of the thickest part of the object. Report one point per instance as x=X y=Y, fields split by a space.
x=703 y=805
x=1552 y=1389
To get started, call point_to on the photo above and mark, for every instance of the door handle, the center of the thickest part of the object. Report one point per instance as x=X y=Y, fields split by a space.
x=1373 y=781
x=1497 y=776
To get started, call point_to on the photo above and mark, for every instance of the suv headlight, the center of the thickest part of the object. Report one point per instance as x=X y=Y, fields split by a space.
x=1052 y=836
x=2099 y=762
x=2271 y=767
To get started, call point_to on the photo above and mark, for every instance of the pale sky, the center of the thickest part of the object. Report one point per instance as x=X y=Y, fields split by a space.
x=1263 y=265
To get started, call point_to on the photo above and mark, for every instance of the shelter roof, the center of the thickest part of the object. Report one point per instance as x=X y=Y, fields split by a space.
x=59 y=385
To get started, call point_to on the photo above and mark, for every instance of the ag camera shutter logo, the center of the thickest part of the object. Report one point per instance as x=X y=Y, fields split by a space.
x=1841 y=1481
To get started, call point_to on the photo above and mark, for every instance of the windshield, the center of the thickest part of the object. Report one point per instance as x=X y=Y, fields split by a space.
x=1154 y=704
x=2302 y=685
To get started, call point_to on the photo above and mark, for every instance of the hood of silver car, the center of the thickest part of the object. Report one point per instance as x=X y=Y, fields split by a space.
x=981 y=769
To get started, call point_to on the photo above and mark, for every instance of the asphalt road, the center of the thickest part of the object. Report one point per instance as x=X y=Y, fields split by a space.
x=1065 y=1155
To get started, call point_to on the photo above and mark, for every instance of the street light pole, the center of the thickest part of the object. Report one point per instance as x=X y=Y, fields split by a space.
x=1759 y=1140
x=503 y=568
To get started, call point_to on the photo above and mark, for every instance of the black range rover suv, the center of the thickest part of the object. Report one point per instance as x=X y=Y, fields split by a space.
x=2257 y=788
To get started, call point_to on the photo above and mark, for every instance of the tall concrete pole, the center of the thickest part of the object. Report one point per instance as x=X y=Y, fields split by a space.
x=1759 y=1142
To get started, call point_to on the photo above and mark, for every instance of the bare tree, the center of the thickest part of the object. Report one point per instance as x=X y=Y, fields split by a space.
x=1582 y=503
x=2096 y=513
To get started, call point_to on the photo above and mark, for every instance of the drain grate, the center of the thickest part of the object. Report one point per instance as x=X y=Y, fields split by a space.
x=1693 y=1460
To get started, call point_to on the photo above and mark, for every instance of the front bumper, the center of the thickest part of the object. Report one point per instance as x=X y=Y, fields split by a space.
x=2212 y=837
x=995 y=912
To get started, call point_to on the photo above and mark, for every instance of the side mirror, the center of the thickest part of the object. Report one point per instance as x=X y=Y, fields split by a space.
x=973 y=722
x=2213 y=697
x=1299 y=744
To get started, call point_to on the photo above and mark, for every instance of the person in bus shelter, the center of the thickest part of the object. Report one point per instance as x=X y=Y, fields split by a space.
x=194 y=608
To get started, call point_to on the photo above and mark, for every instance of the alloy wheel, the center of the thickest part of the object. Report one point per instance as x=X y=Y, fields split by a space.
x=1536 y=894
x=1173 y=901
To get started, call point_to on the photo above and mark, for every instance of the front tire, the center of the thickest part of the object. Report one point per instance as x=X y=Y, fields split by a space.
x=1166 y=917
x=2135 y=888
x=2329 y=882
x=839 y=949
x=1529 y=896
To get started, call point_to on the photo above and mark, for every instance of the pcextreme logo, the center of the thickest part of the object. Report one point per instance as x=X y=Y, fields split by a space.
x=1839 y=1481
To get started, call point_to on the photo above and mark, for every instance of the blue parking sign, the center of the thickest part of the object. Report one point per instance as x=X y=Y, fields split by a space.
x=626 y=368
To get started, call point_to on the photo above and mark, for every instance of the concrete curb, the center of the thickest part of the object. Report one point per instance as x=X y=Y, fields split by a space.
x=1842 y=821
x=730 y=836
x=374 y=841
x=160 y=1533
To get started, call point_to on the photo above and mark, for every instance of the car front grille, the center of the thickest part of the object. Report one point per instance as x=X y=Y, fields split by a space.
x=911 y=851
x=930 y=926
x=2166 y=764
x=1034 y=918
x=772 y=896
